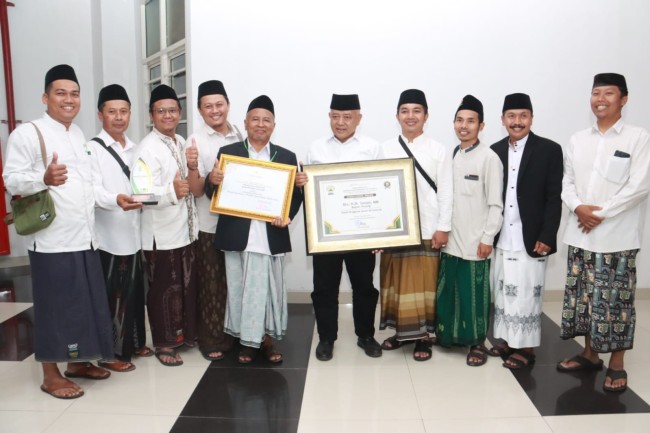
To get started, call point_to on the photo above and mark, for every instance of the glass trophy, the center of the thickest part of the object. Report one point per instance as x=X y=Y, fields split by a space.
x=142 y=183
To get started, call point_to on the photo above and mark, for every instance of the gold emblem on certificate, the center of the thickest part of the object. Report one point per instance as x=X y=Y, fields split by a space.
x=142 y=183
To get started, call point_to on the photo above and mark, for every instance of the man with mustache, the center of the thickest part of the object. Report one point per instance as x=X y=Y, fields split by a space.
x=606 y=189
x=532 y=183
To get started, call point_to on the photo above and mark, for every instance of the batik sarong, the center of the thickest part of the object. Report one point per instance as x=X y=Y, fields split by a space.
x=171 y=300
x=463 y=304
x=518 y=295
x=409 y=280
x=257 y=297
x=212 y=295
x=599 y=298
x=124 y=277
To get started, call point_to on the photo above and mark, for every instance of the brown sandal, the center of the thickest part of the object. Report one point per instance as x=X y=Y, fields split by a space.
x=247 y=355
x=270 y=353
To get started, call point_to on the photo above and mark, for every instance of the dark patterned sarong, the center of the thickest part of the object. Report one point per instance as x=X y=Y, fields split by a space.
x=171 y=300
x=599 y=298
x=71 y=316
x=212 y=296
x=463 y=304
x=409 y=279
x=124 y=278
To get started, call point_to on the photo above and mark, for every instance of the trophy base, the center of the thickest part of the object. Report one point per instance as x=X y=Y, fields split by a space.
x=146 y=199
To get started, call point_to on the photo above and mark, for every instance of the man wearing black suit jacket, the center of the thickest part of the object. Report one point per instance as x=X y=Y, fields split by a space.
x=256 y=310
x=532 y=167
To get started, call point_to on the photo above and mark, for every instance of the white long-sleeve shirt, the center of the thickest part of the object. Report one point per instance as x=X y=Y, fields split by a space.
x=478 y=202
x=610 y=170
x=208 y=141
x=435 y=208
x=167 y=222
x=118 y=231
x=74 y=201
x=331 y=150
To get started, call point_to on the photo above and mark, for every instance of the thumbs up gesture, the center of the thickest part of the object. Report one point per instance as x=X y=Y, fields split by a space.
x=192 y=156
x=216 y=175
x=56 y=174
x=181 y=186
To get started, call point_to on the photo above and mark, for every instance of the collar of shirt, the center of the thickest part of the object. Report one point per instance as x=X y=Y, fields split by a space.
x=211 y=131
x=53 y=123
x=470 y=148
x=350 y=140
x=617 y=127
x=417 y=139
x=518 y=144
x=112 y=143
x=165 y=138
x=263 y=152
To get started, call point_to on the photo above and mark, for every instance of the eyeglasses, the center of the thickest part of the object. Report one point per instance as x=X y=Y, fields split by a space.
x=163 y=111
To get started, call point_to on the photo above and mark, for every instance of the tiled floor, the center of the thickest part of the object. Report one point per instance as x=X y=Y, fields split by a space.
x=350 y=393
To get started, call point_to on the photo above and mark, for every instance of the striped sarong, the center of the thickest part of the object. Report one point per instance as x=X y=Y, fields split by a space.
x=409 y=280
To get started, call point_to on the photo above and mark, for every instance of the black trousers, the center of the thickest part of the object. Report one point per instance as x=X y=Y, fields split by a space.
x=327 y=279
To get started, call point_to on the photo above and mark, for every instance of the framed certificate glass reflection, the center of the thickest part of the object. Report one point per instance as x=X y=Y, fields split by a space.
x=361 y=206
x=254 y=189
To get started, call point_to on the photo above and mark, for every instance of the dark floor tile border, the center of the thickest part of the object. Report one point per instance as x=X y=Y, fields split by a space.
x=258 y=397
x=577 y=393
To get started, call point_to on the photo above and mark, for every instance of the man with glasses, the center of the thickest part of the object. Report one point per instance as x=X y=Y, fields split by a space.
x=169 y=230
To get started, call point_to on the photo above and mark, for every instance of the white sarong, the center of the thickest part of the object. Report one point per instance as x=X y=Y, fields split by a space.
x=518 y=294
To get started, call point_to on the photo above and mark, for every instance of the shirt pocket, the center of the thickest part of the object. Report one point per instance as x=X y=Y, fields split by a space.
x=617 y=169
x=470 y=185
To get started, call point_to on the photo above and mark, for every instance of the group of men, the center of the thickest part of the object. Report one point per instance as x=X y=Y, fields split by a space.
x=508 y=198
x=213 y=279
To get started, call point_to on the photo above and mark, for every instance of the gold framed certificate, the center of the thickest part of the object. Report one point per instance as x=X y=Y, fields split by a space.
x=254 y=189
x=362 y=205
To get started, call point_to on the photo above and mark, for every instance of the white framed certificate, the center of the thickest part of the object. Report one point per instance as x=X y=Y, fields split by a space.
x=361 y=205
x=254 y=189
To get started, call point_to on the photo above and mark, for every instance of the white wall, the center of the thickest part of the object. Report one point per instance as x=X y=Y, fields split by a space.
x=299 y=53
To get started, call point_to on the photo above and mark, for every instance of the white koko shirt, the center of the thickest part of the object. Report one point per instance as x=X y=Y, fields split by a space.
x=610 y=170
x=118 y=231
x=73 y=227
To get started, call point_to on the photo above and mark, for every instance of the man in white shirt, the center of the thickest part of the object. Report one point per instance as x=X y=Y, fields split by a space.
x=118 y=231
x=71 y=315
x=409 y=304
x=463 y=298
x=202 y=148
x=532 y=209
x=606 y=184
x=169 y=230
x=343 y=146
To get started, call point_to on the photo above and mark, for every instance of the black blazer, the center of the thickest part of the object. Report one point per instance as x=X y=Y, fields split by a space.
x=539 y=186
x=232 y=232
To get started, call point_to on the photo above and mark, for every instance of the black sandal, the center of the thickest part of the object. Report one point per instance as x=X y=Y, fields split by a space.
x=422 y=346
x=479 y=352
x=615 y=375
x=247 y=355
x=518 y=364
x=392 y=343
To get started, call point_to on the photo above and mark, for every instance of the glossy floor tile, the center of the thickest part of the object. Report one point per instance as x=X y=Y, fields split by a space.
x=350 y=393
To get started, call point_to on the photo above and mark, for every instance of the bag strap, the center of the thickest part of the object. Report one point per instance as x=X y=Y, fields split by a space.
x=110 y=150
x=417 y=165
x=42 y=143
